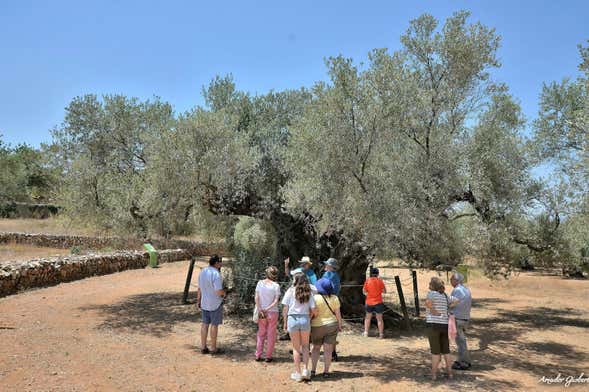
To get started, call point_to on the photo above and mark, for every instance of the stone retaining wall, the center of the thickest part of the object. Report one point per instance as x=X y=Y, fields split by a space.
x=18 y=276
x=69 y=241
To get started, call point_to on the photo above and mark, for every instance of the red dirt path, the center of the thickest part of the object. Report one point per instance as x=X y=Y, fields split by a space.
x=128 y=332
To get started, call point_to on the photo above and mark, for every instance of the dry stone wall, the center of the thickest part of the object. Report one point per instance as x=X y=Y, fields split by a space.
x=69 y=241
x=18 y=276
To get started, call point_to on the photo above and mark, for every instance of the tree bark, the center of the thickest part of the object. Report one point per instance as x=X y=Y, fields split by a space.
x=297 y=237
x=353 y=256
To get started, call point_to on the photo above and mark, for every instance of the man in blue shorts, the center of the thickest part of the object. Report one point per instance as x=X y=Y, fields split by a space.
x=210 y=296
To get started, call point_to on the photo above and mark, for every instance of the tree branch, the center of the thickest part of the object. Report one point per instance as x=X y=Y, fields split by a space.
x=459 y=216
x=360 y=182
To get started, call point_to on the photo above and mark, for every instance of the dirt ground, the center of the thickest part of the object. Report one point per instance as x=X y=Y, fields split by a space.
x=129 y=332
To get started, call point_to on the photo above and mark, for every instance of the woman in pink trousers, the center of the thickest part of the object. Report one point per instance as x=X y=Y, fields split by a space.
x=267 y=297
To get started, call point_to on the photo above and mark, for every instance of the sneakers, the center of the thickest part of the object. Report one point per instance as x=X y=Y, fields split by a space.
x=365 y=334
x=306 y=375
x=460 y=365
x=296 y=377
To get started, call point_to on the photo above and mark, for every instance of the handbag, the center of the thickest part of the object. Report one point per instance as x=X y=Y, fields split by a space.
x=452 y=331
x=256 y=315
x=327 y=303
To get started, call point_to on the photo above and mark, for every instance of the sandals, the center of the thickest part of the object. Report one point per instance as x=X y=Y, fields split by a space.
x=217 y=351
x=205 y=350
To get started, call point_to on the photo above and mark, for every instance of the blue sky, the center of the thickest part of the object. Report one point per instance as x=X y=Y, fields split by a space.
x=52 y=51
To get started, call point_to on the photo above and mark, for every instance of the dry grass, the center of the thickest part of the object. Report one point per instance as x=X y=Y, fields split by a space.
x=21 y=252
x=57 y=226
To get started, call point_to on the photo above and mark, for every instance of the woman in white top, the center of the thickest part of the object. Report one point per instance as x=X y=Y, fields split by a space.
x=298 y=308
x=267 y=297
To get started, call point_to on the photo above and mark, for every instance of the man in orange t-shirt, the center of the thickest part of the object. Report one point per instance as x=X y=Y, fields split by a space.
x=373 y=289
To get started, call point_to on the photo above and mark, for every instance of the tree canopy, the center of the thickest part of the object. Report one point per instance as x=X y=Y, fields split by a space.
x=419 y=153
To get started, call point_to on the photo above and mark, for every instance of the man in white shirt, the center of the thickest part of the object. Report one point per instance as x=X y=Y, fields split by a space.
x=210 y=296
x=462 y=314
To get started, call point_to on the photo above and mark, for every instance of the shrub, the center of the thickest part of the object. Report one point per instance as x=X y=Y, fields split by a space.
x=253 y=245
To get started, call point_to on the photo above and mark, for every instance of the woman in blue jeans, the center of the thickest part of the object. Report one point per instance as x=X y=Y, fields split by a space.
x=298 y=309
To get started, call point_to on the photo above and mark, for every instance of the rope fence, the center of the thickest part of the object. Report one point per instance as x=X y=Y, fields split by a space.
x=403 y=285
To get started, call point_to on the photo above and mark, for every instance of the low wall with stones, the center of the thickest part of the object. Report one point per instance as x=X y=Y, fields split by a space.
x=18 y=276
x=69 y=241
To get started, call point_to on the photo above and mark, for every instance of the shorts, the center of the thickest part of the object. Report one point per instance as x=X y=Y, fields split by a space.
x=213 y=317
x=378 y=308
x=298 y=323
x=437 y=334
x=324 y=334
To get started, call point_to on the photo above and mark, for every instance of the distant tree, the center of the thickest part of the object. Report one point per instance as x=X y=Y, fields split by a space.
x=106 y=147
x=25 y=174
x=561 y=139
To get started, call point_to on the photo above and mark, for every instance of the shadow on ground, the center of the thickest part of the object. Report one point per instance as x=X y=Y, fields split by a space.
x=152 y=314
x=502 y=342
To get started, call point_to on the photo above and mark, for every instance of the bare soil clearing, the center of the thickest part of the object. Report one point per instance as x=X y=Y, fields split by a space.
x=129 y=332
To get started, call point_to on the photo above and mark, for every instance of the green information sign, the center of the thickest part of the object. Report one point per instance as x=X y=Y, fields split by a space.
x=152 y=255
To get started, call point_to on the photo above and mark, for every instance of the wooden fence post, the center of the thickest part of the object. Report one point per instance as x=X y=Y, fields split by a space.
x=415 y=292
x=188 y=280
x=403 y=305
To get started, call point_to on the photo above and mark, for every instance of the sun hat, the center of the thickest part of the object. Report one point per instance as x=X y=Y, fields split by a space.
x=331 y=262
x=296 y=271
x=324 y=286
x=305 y=260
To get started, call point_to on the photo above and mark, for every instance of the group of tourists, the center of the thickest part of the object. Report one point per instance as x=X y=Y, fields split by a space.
x=311 y=314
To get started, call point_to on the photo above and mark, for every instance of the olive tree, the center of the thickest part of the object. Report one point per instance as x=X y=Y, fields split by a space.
x=561 y=139
x=106 y=147
x=394 y=154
